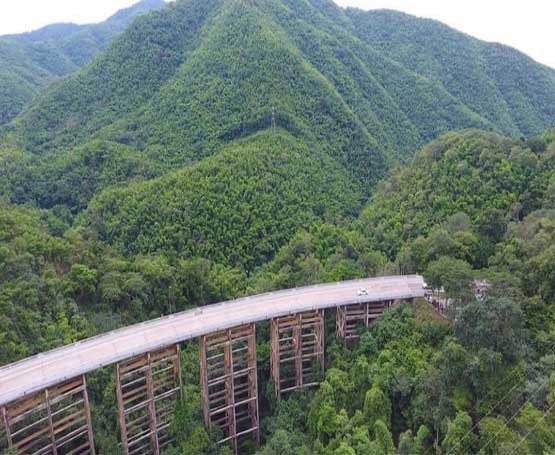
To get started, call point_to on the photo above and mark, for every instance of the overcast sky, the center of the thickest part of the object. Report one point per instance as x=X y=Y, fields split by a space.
x=528 y=25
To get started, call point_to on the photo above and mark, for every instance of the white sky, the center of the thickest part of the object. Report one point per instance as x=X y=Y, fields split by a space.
x=528 y=25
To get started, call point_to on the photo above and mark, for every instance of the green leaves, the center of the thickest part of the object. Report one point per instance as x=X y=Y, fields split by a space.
x=494 y=324
x=30 y=62
x=459 y=438
x=454 y=275
x=377 y=407
x=261 y=202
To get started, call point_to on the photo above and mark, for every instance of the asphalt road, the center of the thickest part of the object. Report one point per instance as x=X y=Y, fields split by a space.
x=44 y=370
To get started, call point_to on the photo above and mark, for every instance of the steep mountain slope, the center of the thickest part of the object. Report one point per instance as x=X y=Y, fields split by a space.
x=509 y=89
x=220 y=148
x=188 y=81
x=489 y=178
x=55 y=290
x=244 y=71
x=31 y=61
x=123 y=78
x=236 y=207
x=71 y=178
x=402 y=108
x=465 y=196
x=146 y=89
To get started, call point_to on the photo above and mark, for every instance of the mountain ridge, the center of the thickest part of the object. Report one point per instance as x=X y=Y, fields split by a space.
x=407 y=38
x=225 y=148
x=187 y=82
x=343 y=45
x=31 y=61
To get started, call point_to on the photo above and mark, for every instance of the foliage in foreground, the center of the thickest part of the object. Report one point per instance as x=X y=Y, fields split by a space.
x=414 y=382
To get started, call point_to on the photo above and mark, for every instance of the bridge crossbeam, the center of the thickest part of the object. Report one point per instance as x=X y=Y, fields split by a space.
x=297 y=351
x=229 y=384
x=147 y=388
x=56 y=420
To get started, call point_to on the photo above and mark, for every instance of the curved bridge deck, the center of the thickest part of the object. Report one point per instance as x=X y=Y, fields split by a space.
x=49 y=368
x=44 y=401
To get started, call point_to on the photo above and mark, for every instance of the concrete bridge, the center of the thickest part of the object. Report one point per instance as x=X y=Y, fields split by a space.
x=44 y=402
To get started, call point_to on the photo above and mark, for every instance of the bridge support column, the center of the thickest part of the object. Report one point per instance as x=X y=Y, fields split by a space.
x=351 y=317
x=56 y=420
x=147 y=387
x=297 y=345
x=229 y=384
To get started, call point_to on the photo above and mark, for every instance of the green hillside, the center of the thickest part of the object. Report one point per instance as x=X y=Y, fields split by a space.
x=235 y=208
x=510 y=90
x=219 y=69
x=490 y=178
x=471 y=205
x=224 y=148
x=29 y=62
x=485 y=210
x=71 y=179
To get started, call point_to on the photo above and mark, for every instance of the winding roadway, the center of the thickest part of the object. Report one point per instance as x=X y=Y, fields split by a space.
x=47 y=369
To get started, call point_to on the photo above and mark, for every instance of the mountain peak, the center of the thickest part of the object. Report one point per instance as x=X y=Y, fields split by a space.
x=221 y=70
x=142 y=6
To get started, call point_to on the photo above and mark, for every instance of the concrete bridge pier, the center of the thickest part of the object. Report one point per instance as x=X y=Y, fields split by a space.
x=229 y=384
x=297 y=351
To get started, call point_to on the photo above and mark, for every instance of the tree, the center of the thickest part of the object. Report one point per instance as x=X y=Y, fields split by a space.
x=342 y=386
x=422 y=440
x=344 y=449
x=377 y=407
x=327 y=424
x=406 y=443
x=383 y=438
x=360 y=439
x=497 y=438
x=459 y=439
x=454 y=275
x=539 y=431
x=495 y=324
x=360 y=376
x=281 y=443
x=81 y=282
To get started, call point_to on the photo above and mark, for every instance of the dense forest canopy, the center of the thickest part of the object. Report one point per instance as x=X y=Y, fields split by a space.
x=29 y=62
x=219 y=149
x=416 y=380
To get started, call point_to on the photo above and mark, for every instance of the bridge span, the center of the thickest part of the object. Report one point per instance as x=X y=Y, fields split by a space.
x=147 y=360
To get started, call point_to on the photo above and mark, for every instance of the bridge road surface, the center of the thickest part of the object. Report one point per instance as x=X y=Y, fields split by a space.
x=47 y=369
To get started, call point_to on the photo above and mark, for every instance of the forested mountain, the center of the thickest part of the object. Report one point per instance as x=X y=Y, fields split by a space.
x=221 y=148
x=29 y=62
x=236 y=208
x=183 y=83
x=470 y=205
x=506 y=87
x=192 y=66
